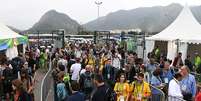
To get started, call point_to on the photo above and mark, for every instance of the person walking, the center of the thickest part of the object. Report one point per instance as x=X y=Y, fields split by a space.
x=188 y=84
x=61 y=88
x=174 y=91
x=75 y=70
x=109 y=74
x=20 y=94
x=156 y=81
x=76 y=95
x=86 y=82
x=122 y=88
x=103 y=91
x=139 y=89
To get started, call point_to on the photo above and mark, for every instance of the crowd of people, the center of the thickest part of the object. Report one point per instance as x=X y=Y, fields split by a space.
x=88 y=72
x=17 y=76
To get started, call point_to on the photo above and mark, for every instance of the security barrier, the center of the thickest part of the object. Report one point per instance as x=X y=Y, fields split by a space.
x=174 y=98
x=47 y=83
x=157 y=97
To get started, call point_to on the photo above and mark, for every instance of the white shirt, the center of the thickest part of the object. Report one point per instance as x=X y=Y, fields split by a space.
x=116 y=63
x=78 y=54
x=75 y=69
x=37 y=52
x=174 y=89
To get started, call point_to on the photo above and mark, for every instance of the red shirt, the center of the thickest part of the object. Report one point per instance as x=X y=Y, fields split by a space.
x=198 y=97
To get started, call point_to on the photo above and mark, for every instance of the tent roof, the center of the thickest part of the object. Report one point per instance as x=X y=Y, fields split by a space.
x=185 y=28
x=6 y=33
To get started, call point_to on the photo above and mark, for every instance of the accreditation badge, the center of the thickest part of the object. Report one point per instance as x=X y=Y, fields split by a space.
x=183 y=87
x=108 y=76
x=166 y=80
x=121 y=98
x=139 y=97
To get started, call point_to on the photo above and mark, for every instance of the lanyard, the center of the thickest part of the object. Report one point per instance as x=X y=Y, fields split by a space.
x=138 y=88
x=108 y=69
x=159 y=79
x=176 y=81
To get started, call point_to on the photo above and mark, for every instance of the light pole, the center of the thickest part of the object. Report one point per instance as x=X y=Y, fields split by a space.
x=98 y=3
x=38 y=39
x=144 y=45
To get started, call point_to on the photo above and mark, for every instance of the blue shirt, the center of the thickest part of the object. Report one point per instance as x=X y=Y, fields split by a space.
x=151 y=68
x=155 y=81
x=169 y=75
x=76 y=97
x=188 y=84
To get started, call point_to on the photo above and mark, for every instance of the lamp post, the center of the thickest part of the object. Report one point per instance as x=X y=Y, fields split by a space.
x=144 y=45
x=95 y=37
x=52 y=37
x=38 y=38
x=98 y=3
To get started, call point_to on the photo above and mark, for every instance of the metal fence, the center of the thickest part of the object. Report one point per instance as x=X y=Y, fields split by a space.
x=157 y=97
x=174 y=98
x=47 y=83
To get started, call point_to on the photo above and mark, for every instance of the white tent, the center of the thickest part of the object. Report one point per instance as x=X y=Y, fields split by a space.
x=7 y=33
x=185 y=28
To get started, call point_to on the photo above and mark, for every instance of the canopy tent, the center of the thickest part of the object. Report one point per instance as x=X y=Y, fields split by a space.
x=185 y=28
x=9 y=40
x=9 y=37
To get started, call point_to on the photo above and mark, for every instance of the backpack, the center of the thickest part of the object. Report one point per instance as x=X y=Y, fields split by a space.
x=110 y=95
x=88 y=81
x=61 y=91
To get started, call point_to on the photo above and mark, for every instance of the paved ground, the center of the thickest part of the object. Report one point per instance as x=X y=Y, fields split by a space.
x=50 y=96
x=38 y=80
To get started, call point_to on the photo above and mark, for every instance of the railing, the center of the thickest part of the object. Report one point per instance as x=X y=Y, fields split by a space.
x=174 y=98
x=157 y=97
x=47 y=83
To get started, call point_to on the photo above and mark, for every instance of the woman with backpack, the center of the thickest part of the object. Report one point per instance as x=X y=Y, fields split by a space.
x=20 y=93
x=61 y=88
x=121 y=88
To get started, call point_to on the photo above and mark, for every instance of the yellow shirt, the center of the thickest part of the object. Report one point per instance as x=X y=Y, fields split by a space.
x=90 y=61
x=140 y=90
x=102 y=63
x=122 y=89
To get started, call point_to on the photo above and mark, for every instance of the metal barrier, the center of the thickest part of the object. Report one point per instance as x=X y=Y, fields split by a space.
x=47 y=83
x=175 y=98
x=157 y=97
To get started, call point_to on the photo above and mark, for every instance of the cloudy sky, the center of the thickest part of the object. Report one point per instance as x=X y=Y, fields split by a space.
x=22 y=14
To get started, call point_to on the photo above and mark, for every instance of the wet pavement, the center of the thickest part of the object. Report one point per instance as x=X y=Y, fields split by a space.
x=38 y=81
